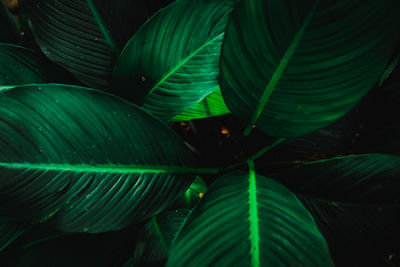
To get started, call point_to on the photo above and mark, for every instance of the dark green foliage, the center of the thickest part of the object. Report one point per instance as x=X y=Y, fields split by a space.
x=170 y=77
x=94 y=178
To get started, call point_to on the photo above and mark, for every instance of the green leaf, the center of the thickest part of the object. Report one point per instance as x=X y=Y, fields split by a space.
x=211 y=106
x=86 y=161
x=195 y=192
x=171 y=63
x=9 y=32
x=23 y=66
x=249 y=220
x=10 y=229
x=85 y=37
x=160 y=231
x=354 y=199
x=292 y=67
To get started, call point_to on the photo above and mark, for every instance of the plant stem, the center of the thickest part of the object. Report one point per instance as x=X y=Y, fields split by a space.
x=267 y=148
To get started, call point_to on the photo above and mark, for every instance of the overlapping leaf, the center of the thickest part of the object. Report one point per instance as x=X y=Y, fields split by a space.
x=249 y=220
x=171 y=63
x=20 y=65
x=86 y=161
x=291 y=67
x=85 y=37
x=211 y=106
x=159 y=233
x=354 y=199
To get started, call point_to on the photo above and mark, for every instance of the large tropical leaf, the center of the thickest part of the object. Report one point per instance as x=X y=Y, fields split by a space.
x=171 y=63
x=249 y=220
x=20 y=65
x=9 y=32
x=290 y=67
x=85 y=160
x=354 y=199
x=211 y=106
x=85 y=36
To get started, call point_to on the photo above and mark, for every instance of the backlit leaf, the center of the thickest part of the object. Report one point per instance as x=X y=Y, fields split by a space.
x=211 y=106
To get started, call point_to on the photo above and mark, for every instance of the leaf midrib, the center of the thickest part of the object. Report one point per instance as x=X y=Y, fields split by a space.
x=107 y=168
x=279 y=70
x=253 y=217
x=181 y=63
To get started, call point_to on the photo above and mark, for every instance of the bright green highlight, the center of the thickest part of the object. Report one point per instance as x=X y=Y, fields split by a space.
x=113 y=168
x=279 y=70
x=253 y=217
x=211 y=106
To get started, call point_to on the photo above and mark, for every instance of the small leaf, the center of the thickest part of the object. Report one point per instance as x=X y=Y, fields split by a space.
x=160 y=231
x=211 y=106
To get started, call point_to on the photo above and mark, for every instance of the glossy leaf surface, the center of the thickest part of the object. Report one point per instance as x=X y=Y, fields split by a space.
x=85 y=37
x=211 y=106
x=20 y=65
x=9 y=32
x=171 y=63
x=86 y=161
x=291 y=67
x=249 y=220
